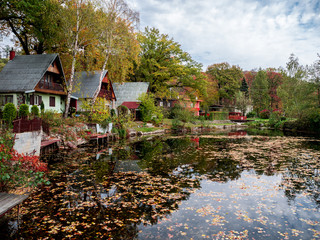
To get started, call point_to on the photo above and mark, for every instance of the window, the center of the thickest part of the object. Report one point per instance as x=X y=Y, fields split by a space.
x=4 y=99
x=191 y=105
x=52 y=102
x=169 y=104
x=35 y=100
x=161 y=104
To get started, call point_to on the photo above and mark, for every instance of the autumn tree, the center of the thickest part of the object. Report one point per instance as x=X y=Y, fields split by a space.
x=117 y=43
x=35 y=23
x=274 y=81
x=166 y=66
x=212 y=92
x=79 y=27
x=249 y=76
x=228 y=80
x=260 y=92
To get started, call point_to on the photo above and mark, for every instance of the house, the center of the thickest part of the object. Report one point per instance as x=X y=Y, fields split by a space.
x=32 y=79
x=86 y=86
x=127 y=94
x=182 y=98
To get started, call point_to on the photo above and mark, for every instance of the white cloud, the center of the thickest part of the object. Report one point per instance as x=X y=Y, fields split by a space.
x=250 y=34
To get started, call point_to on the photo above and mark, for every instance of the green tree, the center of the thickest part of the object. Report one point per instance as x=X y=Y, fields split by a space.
x=295 y=92
x=314 y=74
x=244 y=87
x=35 y=23
x=259 y=92
x=149 y=111
x=24 y=110
x=35 y=111
x=166 y=66
x=9 y=113
x=227 y=78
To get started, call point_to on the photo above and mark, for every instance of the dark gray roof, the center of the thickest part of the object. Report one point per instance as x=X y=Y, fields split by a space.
x=86 y=84
x=24 y=72
x=129 y=91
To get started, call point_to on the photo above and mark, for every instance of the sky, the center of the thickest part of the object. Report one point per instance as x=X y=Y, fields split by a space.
x=247 y=33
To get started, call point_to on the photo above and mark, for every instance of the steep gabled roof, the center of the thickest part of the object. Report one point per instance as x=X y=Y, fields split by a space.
x=86 y=84
x=24 y=72
x=129 y=91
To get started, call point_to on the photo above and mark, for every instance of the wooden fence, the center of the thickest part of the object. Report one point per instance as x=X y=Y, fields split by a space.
x=25 y=125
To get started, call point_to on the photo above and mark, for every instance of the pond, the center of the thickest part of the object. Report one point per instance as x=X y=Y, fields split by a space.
x=229 y=186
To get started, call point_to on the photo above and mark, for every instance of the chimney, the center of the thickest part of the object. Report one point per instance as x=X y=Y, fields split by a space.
x=12 y=54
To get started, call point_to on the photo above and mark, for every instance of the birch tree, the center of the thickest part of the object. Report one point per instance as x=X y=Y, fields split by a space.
x=79 y=28
x=118 y=45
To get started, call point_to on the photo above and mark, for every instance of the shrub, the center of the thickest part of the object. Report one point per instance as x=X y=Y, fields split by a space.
x=113 y=112
x=183 y=115
x=149 y=111
x=122 y=110
x=42 y=107
x=98 y=111
x=16 y=169
x=52 y=118
x=220 y=115
x=265 y=114
x=24 y=110
x=35 y=111
x=251 y=114
x=9 y=113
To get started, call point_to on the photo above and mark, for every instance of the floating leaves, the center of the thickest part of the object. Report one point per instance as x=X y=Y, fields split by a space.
x=251 y=187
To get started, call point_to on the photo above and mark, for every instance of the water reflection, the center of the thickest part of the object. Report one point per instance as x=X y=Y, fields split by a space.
x=246 y=186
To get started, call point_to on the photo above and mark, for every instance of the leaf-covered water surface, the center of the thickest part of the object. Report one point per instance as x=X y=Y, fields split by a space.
x=204 y=187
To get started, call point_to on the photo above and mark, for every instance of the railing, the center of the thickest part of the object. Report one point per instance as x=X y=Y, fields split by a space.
x=25 y=125
x=51 y=86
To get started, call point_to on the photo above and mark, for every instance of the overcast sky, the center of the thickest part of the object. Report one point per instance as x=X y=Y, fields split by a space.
x=248 y=33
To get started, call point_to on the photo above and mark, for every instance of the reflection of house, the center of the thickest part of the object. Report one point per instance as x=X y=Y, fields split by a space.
x=127 y=166
x=87 y=85
x=33 y=79
x=127 y=94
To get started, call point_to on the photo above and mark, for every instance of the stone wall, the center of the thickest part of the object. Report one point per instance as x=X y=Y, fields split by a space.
x=28 y=143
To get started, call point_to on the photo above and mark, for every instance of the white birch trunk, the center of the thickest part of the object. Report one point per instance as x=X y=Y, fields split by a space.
x=74 y=60
x=100 y=80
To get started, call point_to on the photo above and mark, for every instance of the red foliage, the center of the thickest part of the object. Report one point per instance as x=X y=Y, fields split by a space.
x=249 y=76
x=275 y=80
x=27 y=162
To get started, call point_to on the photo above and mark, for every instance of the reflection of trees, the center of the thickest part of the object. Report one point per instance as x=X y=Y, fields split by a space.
x=75 y=205
x=302 y=176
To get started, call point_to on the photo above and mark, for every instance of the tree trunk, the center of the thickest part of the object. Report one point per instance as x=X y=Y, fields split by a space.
x=74 y=60
x=100 y=80
x=23 y=43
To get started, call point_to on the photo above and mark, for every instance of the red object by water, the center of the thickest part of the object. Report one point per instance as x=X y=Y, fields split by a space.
x=236 y=116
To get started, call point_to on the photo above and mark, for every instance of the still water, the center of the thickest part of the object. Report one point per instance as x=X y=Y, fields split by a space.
x=231 y=186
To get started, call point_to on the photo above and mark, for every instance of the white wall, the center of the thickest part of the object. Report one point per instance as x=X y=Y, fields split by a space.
x=28 y=142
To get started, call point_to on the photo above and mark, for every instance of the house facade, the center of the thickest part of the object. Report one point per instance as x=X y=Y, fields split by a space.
x=183 y=99
x=127 y=94
x=32 y=79
x=86 y=86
